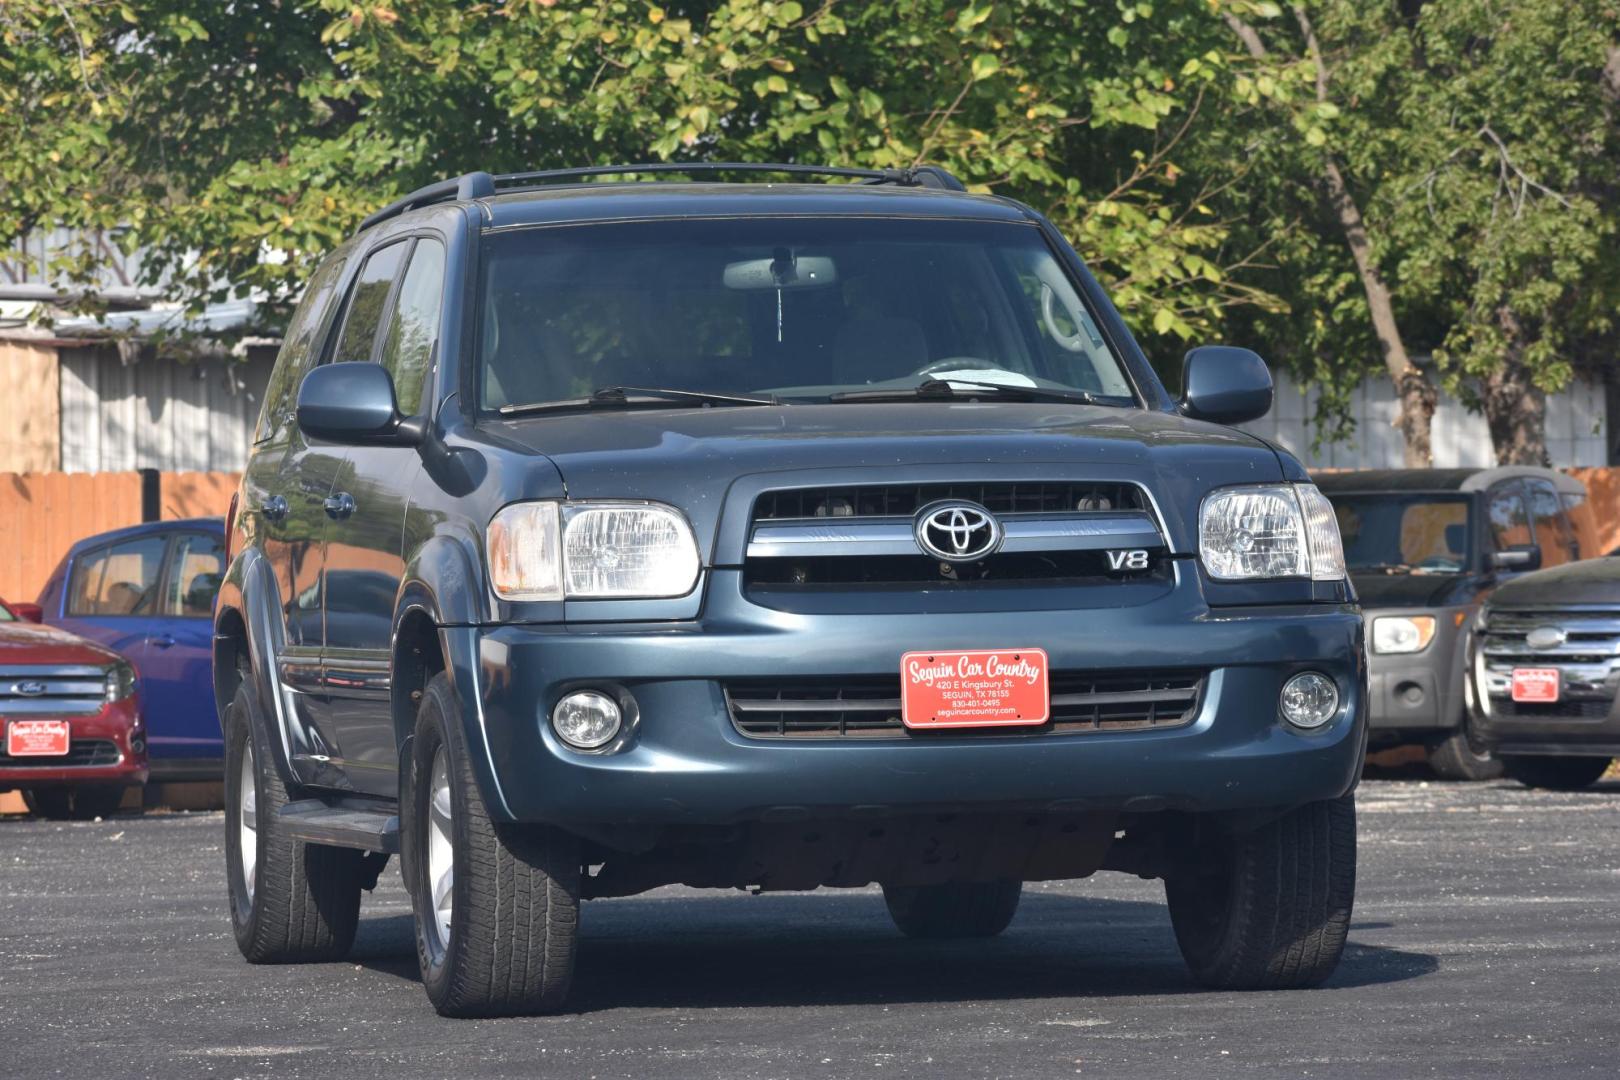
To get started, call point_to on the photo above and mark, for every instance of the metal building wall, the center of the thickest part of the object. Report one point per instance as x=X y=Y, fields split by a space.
x=1576 y=429
x=156 y=413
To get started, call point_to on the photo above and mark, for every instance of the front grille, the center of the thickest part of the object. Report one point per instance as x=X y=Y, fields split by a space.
x=1588 y=661
x=81 y=752
x=35 y=690
x=903 y=500
x=1556 y=710
x=1047 y=569
x=868 y=707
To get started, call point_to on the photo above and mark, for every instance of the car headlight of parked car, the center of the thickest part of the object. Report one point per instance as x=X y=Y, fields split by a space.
x=1402 y=633
x=549 y=550
x=1270 y=531
x=120 y=681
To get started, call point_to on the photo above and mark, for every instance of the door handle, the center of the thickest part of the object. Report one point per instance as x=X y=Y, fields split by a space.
x=274 y=508
x=162 y=641
x=340 y=506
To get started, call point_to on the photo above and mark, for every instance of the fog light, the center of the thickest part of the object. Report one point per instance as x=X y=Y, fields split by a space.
x=1309 y=700
x=586 y=719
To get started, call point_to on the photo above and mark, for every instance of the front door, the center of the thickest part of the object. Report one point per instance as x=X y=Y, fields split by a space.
x=177 y=656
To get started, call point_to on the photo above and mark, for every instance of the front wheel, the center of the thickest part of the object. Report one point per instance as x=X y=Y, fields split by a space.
x=496 y=906
x=1268 y=909
x=1556 y=773
x=1463 y=757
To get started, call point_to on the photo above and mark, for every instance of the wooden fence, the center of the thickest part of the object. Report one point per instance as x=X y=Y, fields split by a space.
x=44 y=514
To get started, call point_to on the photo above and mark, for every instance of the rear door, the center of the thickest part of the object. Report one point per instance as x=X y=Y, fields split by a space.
x=177 y=654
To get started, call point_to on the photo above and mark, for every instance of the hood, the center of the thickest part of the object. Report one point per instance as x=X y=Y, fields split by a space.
x=690 y=457
x=1594 y=581
x=1412 y=590
x=30 y=643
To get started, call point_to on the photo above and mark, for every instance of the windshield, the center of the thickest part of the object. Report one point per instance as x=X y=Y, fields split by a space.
x=5 y=614
x=1422 y=534
x=798 y=308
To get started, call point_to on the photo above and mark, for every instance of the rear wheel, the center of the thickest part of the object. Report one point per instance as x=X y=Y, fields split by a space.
x=497 y=906
x=967 y=909
x=82 y=803
x=1463 y=757
x=1268 y=909
x=291 y=902
x=1557 y=773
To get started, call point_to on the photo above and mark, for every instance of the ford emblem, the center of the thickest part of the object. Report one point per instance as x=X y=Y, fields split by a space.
x=28 y=689
x=1546 y=637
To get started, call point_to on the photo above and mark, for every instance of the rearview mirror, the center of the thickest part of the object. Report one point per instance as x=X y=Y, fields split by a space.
x=1225 y=385
x=785 y=271
x=353 y=404
x=1518 y=557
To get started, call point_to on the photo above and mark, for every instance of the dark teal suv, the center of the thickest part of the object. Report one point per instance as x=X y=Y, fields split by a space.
x=603 y=532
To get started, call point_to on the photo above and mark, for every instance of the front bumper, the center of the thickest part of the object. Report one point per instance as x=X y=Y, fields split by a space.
x=118 y=724
x=685 y=763
x=1419 y=694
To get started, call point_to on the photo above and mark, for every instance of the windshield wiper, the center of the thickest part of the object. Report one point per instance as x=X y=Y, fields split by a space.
x=623 y=396
x=947 y=390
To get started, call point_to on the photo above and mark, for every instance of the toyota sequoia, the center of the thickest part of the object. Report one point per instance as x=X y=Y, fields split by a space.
x=606 y=529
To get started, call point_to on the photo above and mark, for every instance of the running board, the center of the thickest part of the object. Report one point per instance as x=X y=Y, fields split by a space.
x=316 y=822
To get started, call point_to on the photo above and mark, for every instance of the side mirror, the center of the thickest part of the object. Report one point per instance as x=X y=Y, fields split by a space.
x=28 y=612
x=1225 y=385
x=353 y=404
x=1518 y=557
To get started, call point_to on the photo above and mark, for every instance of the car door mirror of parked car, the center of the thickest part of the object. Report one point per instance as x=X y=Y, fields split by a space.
x=1225 y=385
x=28 y=612
x=1518 y=557
x=353 y=404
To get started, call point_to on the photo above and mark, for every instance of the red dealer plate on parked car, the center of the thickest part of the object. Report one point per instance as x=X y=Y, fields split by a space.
x=995 y=688
x=37 y=738
x=1535 y=684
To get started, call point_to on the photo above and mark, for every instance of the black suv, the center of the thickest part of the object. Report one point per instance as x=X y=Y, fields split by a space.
x=1424 y=547
x=599 y=536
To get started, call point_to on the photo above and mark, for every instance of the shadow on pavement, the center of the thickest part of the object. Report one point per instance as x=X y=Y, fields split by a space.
x=841 y=949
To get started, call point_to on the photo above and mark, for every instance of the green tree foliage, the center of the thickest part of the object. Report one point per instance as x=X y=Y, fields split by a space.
x=239 y=141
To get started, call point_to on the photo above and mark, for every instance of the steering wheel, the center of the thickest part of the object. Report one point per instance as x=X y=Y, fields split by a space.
x=956 y=363
x=1075 y=342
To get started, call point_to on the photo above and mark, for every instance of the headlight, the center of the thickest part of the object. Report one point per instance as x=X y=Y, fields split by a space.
x=120 y=682
x=1270 y=531
x=1402 y=633
x=548 y=550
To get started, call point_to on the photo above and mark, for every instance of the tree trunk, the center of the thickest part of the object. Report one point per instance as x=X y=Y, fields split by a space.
x=1515 y=407
x=1413 y=388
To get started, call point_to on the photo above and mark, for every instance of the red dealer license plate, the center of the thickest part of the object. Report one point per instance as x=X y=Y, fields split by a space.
x=995 y=688
x=37 y=738
x=1535 y=684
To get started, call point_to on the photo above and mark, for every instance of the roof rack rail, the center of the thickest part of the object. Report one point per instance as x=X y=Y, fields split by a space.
x=473 y=185
x=478 y=185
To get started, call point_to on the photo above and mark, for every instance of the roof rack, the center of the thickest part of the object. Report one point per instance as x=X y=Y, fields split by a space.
x=478 y=185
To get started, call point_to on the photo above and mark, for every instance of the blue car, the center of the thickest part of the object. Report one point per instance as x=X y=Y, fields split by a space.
x=147 y=592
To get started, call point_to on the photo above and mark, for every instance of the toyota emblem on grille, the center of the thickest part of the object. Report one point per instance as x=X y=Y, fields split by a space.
x=1546 y=637
x=957 y=531
x=28 y=689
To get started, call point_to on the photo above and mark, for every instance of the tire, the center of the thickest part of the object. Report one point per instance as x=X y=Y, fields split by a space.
x=303 y=902
x=83 y=803
x=1460 y=757
x=506 y=944
x=970 y=909
x=1268 y=909
x=1556 y=773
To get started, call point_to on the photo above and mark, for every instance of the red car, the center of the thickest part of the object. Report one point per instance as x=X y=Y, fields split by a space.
x=71 y=735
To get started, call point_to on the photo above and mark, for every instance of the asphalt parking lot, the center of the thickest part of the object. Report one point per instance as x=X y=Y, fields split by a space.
x=1486 y=942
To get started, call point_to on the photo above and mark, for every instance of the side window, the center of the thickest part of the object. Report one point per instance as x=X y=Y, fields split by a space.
x=413 y=330
x=196 y=567
x=1579 y=509
x=366 y=300
x=1553 y=530
x=297 y=351
x=118 y=580
x=1510 y=523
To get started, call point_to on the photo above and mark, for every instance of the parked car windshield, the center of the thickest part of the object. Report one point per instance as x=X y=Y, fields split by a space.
x=798 y=308
x=5 y=614
x=1413 y=534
